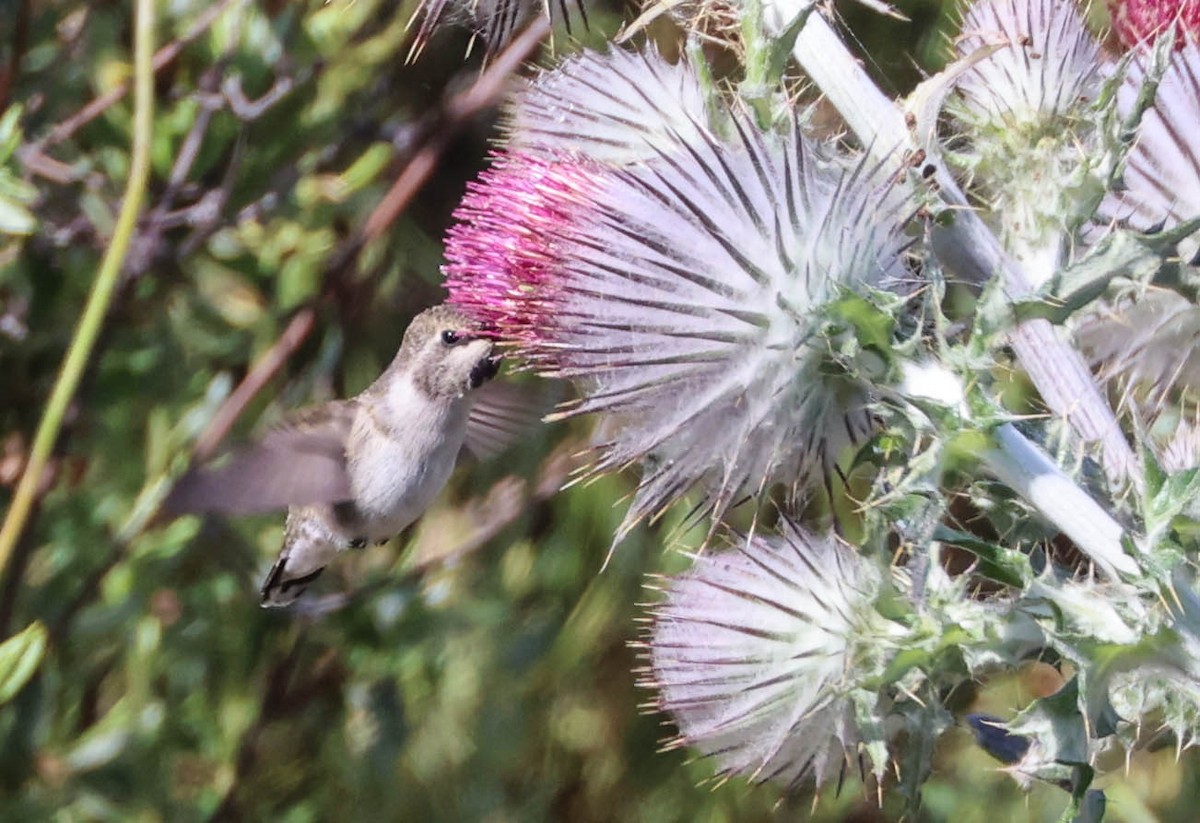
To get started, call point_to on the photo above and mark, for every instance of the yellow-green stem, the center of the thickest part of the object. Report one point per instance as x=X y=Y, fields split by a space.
x=102 y=290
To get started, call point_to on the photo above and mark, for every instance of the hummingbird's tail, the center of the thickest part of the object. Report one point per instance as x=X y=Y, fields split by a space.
x=309 y=545
x=281 y=588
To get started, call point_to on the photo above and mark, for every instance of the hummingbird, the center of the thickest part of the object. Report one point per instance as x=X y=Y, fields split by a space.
x=359 y=471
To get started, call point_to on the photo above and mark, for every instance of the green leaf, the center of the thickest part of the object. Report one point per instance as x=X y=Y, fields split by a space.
x=10 y=132
x=15 y=218
x=20 y=656
x=1120 y=254
x=1058 y=724
x=993 y=563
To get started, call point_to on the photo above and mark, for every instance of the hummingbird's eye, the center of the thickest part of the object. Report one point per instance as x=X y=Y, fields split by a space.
x=450 y=338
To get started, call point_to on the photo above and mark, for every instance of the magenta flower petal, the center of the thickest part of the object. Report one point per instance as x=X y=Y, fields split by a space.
x=1140 y=21
x=501 y=266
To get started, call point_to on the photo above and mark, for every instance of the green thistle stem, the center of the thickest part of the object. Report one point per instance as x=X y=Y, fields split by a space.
x=103 y=288
x=1027 y=470
x=966 y=245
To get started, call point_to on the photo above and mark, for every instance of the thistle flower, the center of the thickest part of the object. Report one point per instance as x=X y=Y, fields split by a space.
x=1147 y=342
x=618 y=107
x=1140 y=21
x=1028 y=135
x=756 y=653
x=1048 y=63
x=501 y=264
x=694 y=298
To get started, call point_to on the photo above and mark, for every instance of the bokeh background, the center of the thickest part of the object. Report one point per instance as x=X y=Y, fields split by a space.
x=484 y=670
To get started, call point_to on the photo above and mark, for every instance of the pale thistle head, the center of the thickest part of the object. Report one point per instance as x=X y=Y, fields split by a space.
x=616 y=107
x=1161 y=175
x=1026 y=133
x=1045 y=64
x=757 y=652
x=694 y=299
x=1148 y=339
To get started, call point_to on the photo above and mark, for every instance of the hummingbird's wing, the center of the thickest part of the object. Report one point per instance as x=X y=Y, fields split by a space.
x=501 y=414
x=300 y=463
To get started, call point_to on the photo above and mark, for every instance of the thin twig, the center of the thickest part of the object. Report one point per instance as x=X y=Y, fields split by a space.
x=8 y=76
x=102 y=290
x=65 y=129
x=156 y=221
x=293 y=336
x=482 y=93
x=281 y=697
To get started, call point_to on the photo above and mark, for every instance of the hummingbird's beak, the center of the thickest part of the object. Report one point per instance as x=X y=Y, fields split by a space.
x=485 y=370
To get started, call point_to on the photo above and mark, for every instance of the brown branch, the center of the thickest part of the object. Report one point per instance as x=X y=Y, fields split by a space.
x=8 y=76
x=283 y=694
x=260 y=374
x=156 y=222
x=65 y=129
x=247 y=753
x=483 y=93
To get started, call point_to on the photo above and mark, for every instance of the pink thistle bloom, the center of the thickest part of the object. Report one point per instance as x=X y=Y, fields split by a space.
x=1140 y=21
x=501 y=265
x=691 y=298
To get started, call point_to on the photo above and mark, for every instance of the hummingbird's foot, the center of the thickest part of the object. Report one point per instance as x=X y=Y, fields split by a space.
x=358 y=543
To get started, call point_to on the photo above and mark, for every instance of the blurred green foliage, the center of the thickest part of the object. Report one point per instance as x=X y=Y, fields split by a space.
x=486 y=673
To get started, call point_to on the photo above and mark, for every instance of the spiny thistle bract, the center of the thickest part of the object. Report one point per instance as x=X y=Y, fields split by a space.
x=1148 y=339
x=1162 y=169
x=755 y=653
x=1046 y=63
x=617 y=107
x=692 y=297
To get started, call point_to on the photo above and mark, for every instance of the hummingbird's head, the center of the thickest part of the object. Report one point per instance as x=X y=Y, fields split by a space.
x=447 y=354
